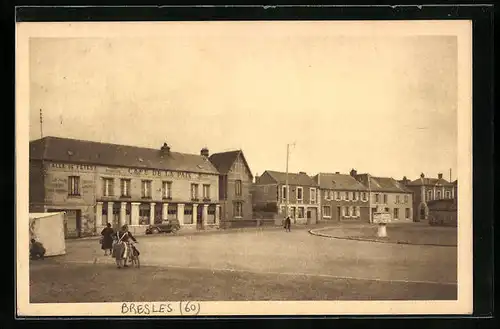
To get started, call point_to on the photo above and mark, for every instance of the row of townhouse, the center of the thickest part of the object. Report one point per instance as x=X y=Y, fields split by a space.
x=99 y=183
x=345 y=197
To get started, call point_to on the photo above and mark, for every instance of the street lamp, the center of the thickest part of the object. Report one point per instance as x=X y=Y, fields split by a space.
x=286 y=178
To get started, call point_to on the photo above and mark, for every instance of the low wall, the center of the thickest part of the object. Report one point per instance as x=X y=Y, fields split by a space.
x=256 y=222
x=443 y=218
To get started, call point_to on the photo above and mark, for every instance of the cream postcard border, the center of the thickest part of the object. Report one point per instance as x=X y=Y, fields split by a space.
x=461 y=29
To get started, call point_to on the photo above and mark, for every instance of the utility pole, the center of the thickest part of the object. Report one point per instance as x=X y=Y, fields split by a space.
x=286 y=180
x=287 y=188
x=369 y=199
x=41 y=124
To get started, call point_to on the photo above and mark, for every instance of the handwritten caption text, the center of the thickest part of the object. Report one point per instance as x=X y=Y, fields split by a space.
x=177 y=308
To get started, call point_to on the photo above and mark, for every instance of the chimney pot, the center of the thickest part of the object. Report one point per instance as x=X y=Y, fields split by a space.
x=422 y=175
x=204 y=152
x=353 y=172
x=440 y=176
x=165 y=148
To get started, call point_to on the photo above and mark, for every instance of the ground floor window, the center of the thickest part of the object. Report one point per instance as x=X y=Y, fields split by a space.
x=347 y=213
x=407 y=213
x=188 y=214
x=238 y=209
x=396 y=213
x=211 y=214
x=144 y=214
x=301 y=212
x=327 y=211
x=172 y=209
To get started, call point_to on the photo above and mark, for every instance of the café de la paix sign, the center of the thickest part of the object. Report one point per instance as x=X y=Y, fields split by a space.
x=132 y=171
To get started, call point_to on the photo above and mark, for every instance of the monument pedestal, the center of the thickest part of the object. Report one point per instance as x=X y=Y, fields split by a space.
x=382 y=230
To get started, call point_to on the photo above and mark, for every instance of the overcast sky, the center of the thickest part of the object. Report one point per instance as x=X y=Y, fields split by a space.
x=384 y=105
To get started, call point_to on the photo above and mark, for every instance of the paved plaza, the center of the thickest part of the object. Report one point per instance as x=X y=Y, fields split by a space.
x=273 y=252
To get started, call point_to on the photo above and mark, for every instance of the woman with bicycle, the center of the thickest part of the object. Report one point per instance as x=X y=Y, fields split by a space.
x=122 y=246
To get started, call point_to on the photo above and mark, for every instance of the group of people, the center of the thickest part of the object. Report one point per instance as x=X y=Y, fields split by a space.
x=118 y=244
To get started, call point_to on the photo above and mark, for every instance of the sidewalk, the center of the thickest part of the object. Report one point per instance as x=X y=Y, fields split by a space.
x=221 y=231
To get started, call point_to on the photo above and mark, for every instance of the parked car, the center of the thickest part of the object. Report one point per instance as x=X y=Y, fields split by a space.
x=167 y=226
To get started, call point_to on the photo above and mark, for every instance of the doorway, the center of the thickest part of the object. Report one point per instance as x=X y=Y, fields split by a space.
x=72 y=222
x=422 y=213
x=158 y=215
x=116 y=216
x=199 y=217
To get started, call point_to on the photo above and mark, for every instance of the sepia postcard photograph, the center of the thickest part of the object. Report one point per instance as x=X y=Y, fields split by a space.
x=243 y=168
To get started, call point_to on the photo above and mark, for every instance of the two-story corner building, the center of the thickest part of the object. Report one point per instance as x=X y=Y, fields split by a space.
x=387 y=195
x=96 y=183
x=301 y=196
x=428 y=189
x=235 y=185
x=343 y=198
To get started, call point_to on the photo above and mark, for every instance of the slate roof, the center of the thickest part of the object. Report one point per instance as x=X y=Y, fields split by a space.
x=382 y=184
x=224 y=161
x=429 y=181
x=300 y=179
x=387 y=184
x=97 y=153
x=343 y=182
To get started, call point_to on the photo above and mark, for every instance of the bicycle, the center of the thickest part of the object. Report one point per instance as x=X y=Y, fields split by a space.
x=133 y=256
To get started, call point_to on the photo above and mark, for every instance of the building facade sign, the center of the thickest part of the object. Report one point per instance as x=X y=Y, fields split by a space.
x=132 y=171
x=74 y=167
x=165 y=173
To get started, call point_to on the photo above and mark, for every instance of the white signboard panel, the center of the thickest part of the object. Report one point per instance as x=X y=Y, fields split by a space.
x=382 y=217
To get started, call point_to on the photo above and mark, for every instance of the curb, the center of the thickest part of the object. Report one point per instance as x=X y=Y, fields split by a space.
x=190 y=233
x=203 y=232
x=363 y=239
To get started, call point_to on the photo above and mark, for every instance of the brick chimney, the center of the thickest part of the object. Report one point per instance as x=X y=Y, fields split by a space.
x=204 y=152
x=165 y=149
x=440 y=176
x=353 y=172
